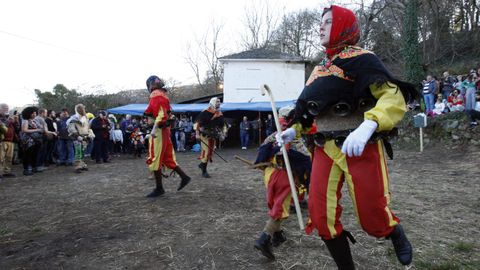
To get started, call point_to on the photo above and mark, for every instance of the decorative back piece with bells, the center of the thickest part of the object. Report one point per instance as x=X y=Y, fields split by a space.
x=341 y=108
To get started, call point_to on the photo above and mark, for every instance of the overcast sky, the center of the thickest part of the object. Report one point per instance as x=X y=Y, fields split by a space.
x=109 y=45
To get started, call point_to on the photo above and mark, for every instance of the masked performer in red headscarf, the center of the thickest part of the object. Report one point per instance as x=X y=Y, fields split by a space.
x=356 y=103
x=210 y=126
x=160 y=148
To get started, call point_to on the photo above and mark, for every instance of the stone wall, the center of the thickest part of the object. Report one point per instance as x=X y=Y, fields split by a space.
x=449 y=129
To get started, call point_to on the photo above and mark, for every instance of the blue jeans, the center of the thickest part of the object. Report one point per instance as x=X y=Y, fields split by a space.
x=88 y=151
x=470 y=99
x=429 y=102
x=65 y=151
x=244 y=138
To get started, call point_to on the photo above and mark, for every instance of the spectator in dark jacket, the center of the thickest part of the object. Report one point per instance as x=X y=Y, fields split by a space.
x=127 y=127
x=101 y=127
x=64 y=142
x=51 y=136
x=244 y=130
x=447 y=85
x=429 y=89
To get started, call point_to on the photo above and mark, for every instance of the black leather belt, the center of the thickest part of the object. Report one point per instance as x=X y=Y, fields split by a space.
x=339 y=136
x=163 y=125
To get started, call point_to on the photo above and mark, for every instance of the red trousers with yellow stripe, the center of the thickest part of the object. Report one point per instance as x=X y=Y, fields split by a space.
x=207 y=146
x=367 y=180
x=160 y=151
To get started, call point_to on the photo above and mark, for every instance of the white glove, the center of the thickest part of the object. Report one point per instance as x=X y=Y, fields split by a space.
x=285 y=136
x=355 y=142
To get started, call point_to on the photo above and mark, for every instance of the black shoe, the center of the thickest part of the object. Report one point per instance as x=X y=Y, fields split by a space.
x=156 y=192
x=278 y=238
x=85 y=168
x=264 y=244
x=98 y=161
x=78 y=170
x=185 y=180
x=27 y=172
x=402 y=246
x=9 y=175
x=203 y=167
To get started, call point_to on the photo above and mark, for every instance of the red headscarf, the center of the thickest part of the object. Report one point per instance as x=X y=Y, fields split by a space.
x=345 y=30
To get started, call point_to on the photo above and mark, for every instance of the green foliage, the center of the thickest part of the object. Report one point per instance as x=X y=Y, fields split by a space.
x=62 y=97
x=463 y=246
x=4 y=231
x=413 y=70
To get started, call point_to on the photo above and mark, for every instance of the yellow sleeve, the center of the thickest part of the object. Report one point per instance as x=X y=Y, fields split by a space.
x=390 y=107
x=299 y=130
x=160 y=116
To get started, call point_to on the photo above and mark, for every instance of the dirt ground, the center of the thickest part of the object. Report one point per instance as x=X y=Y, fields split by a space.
x=101 y=219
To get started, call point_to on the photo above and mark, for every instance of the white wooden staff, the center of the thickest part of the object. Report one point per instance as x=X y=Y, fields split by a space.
x=265 y=89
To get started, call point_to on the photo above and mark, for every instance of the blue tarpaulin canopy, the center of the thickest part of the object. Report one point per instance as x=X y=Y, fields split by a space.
x=138 y=109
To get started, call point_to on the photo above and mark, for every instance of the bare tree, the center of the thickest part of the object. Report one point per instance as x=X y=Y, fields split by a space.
x=261 y=21
x=202 y=58
x=298 y=34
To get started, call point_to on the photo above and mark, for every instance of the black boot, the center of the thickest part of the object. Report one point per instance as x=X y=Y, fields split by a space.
x=278 y=238
x=402 y=246
x=264 y=244
x=340 y=251
x=158 y=191
x=203 y=167
x=185 y=178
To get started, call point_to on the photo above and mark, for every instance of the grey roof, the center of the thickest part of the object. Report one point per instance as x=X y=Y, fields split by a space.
x=262 y=53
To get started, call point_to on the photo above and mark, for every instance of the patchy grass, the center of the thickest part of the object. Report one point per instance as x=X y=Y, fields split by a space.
x=463 y=246
x=4 y=231
x=100 y=219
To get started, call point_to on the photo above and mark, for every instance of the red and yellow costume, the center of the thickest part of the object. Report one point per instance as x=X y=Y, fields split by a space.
x=278 y=186
x=208 y=122
x=160 y=148
x=334 y=97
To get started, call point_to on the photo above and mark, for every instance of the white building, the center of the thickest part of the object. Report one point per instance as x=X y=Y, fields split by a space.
x=245 y=72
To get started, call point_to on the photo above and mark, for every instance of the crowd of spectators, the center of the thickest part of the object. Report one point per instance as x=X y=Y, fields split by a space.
x=39 y=138
x=459 y=93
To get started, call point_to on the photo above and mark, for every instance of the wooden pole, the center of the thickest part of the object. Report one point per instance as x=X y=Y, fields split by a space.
x=259 y=123
x=264 y=88
x=421 y=139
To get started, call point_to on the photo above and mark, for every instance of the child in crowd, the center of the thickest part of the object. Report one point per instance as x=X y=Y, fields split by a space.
x=138 y=142
x=439 y=105
x=117 y=138
x=455 y=101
